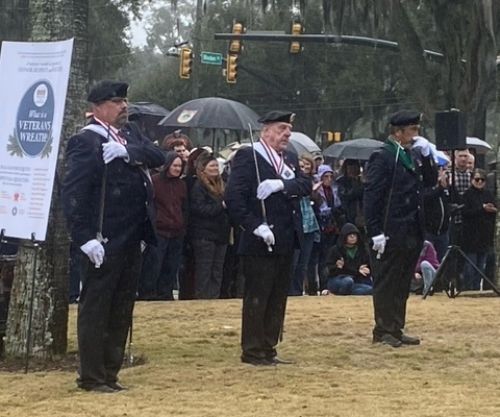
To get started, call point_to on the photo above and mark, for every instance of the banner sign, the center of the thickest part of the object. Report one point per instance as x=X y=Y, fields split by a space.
x=33 y=84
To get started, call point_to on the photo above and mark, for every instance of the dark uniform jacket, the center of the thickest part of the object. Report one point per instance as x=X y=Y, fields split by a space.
x=128 y=208
x=283 y=207
x=404 y=211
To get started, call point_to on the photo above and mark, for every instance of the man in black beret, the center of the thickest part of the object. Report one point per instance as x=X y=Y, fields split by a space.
x=269 y=234
x=393 y=210
x=106 y=198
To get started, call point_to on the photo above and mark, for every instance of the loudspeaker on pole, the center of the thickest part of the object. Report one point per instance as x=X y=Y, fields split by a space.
x=450 y=130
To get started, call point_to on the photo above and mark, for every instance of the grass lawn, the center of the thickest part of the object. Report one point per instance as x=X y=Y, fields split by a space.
x=192 y=365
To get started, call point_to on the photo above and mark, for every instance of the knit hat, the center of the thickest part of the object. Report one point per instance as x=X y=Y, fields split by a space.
x=323 y=169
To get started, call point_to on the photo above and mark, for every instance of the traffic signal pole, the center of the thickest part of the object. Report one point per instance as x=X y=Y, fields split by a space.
x=327 y=39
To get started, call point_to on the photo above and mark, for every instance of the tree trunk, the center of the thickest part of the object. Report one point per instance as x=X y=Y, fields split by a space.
x=51 y=20
x=13 y=20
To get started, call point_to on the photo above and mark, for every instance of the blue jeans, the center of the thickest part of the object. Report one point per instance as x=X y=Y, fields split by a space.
x=345 y=285
x=159 y=269
x=428 y=273
x=472 y=279
x=300 y=261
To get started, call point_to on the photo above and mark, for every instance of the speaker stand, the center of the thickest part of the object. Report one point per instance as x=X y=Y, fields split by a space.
x=447 y=273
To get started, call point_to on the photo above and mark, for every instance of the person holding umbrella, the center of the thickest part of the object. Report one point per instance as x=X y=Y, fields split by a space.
x=107 y=196
x=263 y=199
x=392 y=205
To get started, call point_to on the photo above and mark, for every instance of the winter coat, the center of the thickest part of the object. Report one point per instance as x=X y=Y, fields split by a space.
x=208 y=218
x=478 y=225
x=351 y=265
x=437 y=209
x=171 y=202
x=428 y=253
x=350 y=191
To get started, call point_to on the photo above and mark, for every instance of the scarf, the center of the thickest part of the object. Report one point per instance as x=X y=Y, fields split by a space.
x=392 y=146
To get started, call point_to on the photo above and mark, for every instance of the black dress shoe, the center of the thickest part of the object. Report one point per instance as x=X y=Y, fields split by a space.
x=116 y=386
x=387 y=339
x=278 y=361
x=257 y=361
x=102 y=388
x=408 y=340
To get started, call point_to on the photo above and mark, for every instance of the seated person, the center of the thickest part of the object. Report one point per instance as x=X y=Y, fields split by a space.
x=426 y=268
x=348 y=265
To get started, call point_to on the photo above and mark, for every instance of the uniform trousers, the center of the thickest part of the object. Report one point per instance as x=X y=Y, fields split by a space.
x=104 y=315
x=267 y=279
x=392 y=275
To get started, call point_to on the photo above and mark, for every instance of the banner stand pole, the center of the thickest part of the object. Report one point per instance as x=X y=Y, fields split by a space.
x=36 y=248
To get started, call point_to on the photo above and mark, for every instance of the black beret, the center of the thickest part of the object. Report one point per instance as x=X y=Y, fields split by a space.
x=277 y=116
x=405 y=118
x=106 y=90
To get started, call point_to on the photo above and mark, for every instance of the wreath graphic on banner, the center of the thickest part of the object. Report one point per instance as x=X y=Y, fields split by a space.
x=14 y=148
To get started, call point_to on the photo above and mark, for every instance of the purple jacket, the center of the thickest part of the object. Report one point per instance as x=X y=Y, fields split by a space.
x=428 y=253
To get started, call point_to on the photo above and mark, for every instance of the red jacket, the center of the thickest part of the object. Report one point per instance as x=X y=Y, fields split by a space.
x=171 y=205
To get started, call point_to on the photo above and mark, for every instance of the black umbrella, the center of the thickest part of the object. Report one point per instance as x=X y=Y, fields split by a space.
x=145 y=108
x=353 y=149
x=212 y=113
x=147 y=115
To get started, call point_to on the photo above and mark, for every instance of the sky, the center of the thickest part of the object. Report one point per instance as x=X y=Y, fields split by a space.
x=138 y=34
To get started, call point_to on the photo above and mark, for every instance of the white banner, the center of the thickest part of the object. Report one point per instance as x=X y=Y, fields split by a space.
x=33 y=85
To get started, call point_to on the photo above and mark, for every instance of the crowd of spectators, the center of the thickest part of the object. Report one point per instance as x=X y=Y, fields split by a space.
x=196 y=254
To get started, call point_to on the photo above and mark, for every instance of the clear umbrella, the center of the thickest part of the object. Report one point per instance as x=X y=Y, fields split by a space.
x=301 y=143
x=479 y=145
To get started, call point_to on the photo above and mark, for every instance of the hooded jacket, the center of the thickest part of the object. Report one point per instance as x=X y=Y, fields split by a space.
x=170 y=200
x=351 y=263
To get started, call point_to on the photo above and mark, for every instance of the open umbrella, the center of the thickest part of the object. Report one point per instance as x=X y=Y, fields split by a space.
x=146 y=108
x=301 y=143
x=479 y=145
x=353 y=149
x=147 y=115
x=212 y=113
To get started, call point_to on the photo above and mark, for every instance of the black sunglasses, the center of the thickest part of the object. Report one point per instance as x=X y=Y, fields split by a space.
x=479 y=179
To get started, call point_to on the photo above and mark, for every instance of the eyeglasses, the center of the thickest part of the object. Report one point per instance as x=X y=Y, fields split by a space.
x=479 y=179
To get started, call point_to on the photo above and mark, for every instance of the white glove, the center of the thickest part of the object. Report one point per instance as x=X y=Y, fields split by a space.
x=379 y=243
x=423 y=144
x=95 y=251
x=268 y=187
x=112 y=150
x=264 y=232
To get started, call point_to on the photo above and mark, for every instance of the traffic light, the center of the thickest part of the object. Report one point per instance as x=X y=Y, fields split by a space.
x=329 y=136
x=236 y=45
x=231 y=68
x=185 y=63
x=296 y=46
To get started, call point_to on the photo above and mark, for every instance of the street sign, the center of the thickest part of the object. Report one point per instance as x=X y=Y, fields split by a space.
x=211 y=58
